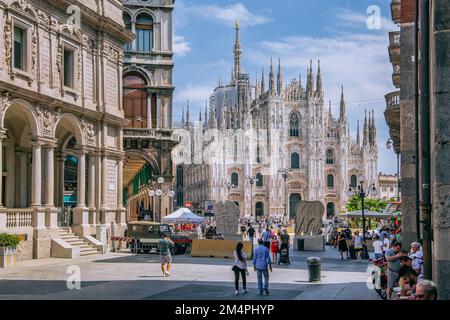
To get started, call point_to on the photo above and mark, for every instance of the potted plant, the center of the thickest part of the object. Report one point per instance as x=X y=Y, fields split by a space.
x=8 y=246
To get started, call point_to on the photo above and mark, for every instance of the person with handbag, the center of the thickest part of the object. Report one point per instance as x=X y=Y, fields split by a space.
x=240 y=267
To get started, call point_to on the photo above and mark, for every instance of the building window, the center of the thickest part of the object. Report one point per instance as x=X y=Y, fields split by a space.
x=329 y=157
x=68 y=68
x=259 y=180
x=135 y=100
x=20 y=48
x=127 y=22
x=353 y=181
x=235 y=179
x=295 y=161
x=144 y=32
x=258 y=154
x=330 y=181
x=293 y=125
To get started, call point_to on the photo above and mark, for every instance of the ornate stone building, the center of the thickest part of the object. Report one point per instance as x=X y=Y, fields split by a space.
x=148 y=90
x=61 y=120
x=254 y=132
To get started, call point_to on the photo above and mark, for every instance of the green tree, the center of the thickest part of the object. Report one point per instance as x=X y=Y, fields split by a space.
x=355 y=203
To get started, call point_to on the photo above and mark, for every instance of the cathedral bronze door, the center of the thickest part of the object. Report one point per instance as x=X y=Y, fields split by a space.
x=330 y=210
x=259 y=209
x=294 y=200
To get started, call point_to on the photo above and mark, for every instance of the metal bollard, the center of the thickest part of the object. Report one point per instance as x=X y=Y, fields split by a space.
x=314 y=269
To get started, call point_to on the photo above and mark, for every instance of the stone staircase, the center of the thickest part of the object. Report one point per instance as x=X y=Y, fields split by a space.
x=86 y=249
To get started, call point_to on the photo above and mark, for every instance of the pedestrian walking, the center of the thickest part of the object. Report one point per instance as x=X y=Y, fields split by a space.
x=274 y=246
x=262 y=264
x=357 y=242
x=343 y=247
x=251 y=233
x=240 y=267
x=378 y=248
x=164 y=246
x=266 y=235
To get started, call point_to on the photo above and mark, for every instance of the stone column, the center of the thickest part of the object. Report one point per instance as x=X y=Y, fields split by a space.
x=60 y=181
x=2 y=135
x=23 y=180
x=50 y=180
x=91 y=190
x=81 y=213
x=440 y=146
x=51 y=215
x=149 y=109
x=36 y=175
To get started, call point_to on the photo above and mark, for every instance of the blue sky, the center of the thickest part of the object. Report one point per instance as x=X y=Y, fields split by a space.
x=334 y=31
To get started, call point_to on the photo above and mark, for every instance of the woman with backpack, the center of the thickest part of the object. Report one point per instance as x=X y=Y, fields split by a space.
x=240 y=267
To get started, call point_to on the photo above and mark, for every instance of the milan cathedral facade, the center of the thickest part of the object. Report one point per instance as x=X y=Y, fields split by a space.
x=266 y=149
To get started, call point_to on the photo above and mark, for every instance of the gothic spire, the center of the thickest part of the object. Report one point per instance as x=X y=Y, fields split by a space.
x=257 y=93
x=366 y=130
x=206 y=113
x=237 y=54
x=271 y=79
x=342 y=105
x=279 y=79
x=182 y=118
x=319 y=80
x=188 y=116
x=358 y=138
x=200 y=115
x=374 y=129
x=263 y=85
x=310 y=81
x=329 y=108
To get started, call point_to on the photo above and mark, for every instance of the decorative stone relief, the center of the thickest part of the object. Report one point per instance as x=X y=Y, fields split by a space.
x=8 y=45
x=48 y=118
x=88 y=128
x=4 y=102
x=34 y=42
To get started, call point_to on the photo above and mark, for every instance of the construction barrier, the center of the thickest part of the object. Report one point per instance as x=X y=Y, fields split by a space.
x=218 y=248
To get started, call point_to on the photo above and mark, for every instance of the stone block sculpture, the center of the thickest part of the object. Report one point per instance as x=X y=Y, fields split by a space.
x=226 y=216
x=308 y=218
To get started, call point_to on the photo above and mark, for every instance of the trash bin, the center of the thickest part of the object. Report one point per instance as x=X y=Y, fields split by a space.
x=300 y=244
x=313 y=269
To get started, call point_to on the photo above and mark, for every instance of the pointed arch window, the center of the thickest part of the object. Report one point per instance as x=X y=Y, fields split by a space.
x=353 y=181
x=330 y=157
x=235 y=179
x=259 y=180
x=295 y=161
x=330 y=181
x=293 y=125
x=144 y=32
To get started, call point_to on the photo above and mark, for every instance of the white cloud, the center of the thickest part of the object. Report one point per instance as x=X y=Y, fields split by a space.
x=348 y=17
x=180 y=46
x=228 y=14
x=193 y=93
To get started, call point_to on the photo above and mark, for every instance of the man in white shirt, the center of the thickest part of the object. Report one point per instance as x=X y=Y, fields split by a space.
x=378 y=248
x=386 y=244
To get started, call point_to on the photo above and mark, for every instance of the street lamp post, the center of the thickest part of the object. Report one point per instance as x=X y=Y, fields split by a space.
x=252 y=181
x=362 y=194
x=285 y=175
x=160 y=193
x=389 y=145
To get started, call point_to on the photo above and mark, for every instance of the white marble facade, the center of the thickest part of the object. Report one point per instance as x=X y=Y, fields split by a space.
x=297 y=132
x=60 y=96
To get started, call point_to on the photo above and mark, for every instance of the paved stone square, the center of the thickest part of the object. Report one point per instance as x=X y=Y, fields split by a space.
x=124 y=276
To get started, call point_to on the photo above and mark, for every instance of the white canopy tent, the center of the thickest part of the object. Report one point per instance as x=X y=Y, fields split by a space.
x=183 y=215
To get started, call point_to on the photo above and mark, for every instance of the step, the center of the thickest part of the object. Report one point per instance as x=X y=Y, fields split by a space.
x=88 y=253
